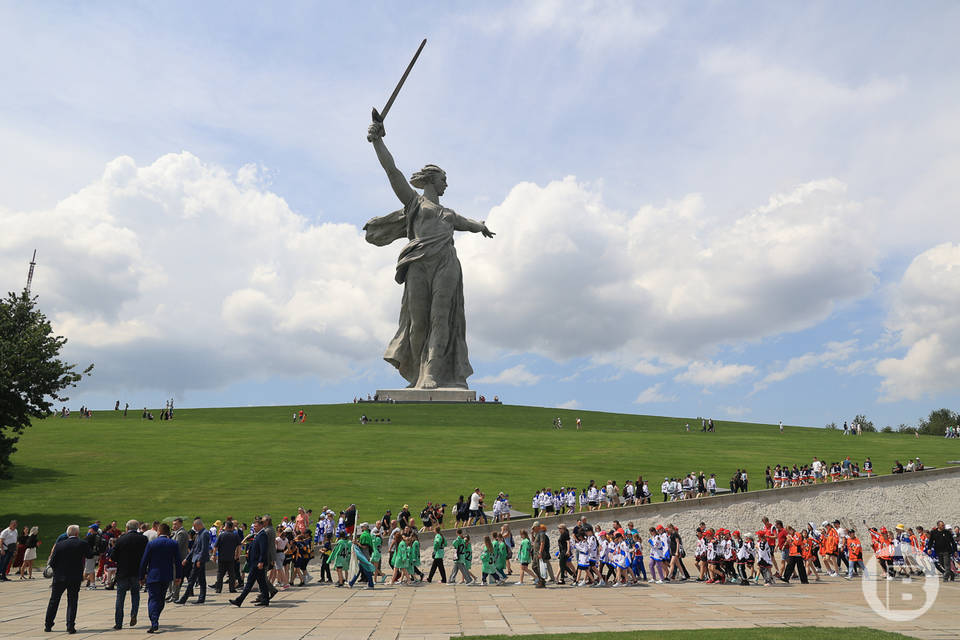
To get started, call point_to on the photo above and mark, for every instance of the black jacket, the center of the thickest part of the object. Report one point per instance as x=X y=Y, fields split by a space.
x=127 y=553
x=67 y=559
x=941 y=541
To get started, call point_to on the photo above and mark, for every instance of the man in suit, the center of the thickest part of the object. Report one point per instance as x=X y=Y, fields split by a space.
x=261 y=555
x=127 y=553
x=67 y=561
x=158 y=567
x=179 y=535
x=196 y=563
x=227 y=549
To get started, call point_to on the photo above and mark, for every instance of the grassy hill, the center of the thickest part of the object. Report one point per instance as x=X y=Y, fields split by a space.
x=245 y=461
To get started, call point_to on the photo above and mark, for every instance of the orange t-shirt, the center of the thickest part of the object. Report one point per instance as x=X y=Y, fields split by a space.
x=854 y=549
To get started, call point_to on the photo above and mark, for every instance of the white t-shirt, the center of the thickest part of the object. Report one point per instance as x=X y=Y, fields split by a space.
x=817 y=466
x=711 y=484
x=9 y=537
x=474 y=501
x=150 y=534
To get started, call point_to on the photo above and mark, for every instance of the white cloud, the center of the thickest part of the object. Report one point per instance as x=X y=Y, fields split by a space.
x=925 y=315
x=182 y=275
x=179 y=275
x=568 y=277
x=517 y=376
x=833 y=353
x=736 y=412
x=654 y=394
x=710 y=374
x=570 y=404
x=593 y=26
x=765 y=86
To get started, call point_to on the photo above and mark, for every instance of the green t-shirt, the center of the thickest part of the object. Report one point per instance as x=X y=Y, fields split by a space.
x=438 y=544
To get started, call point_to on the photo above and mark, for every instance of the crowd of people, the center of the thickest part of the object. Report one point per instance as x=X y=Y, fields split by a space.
x=169 y=561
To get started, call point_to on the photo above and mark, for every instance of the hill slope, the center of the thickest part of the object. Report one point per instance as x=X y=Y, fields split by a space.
x=244 y=461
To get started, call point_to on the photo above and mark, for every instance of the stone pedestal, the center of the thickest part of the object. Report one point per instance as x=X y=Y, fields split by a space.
x=427 y=395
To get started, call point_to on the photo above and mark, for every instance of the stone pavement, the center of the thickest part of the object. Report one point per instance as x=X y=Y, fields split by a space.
x=438 y=611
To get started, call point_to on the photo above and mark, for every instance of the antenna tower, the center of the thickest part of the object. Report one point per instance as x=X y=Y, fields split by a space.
x=33 y=263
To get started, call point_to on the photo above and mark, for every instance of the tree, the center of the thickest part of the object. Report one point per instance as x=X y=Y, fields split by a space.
x=865 y=424
x=938 y=421
x=32 y=376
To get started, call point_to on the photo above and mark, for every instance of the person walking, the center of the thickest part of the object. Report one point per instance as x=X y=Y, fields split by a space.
x=160 y=565
x=179 y=535
x=127 y=553
x=8 y=547
x=438 y=547
x=227 y=551
x=197 y=563
x=67 y=561
x=563 y=555
x=943 y=544
x=543 y=555
x=795 y=562
x=261 y=555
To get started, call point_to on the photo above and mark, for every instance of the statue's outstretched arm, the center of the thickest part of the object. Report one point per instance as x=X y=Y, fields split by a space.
x=399 y=183
x=462 y=223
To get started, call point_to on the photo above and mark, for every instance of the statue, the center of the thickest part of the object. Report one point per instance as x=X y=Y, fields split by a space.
x=429 y=349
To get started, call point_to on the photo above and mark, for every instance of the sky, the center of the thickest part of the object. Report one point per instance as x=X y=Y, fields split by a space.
x=722 y=209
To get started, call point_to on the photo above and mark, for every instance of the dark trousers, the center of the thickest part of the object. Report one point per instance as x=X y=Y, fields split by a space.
x=156 y=598
x=132 y=585
x=795 y=562
x=565 y=568
x=947 y=565
x=198 y=576
x=260 y=577
x=73 y=597
x=437 y=565
x=5 y=561
x=228 y=568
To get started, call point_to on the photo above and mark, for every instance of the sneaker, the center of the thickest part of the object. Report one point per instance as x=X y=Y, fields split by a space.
x=659 y=581
x=517 y=583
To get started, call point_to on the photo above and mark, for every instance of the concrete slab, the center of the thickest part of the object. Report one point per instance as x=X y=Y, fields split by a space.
x=439 y=612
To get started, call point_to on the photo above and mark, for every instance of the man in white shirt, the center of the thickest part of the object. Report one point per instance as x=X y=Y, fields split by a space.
x=665 y=488
x=8 y=547
x=475 y=498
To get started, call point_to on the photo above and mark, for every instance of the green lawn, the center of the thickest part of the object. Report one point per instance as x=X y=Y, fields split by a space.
x=243 y=461
x=780 y=633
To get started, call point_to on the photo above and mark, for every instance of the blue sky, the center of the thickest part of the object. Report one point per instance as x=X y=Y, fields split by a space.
x=737 y=210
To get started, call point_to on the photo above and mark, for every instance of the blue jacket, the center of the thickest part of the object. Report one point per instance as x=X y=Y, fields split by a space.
x=161 y=560
x=200 y=551
x=260 y=550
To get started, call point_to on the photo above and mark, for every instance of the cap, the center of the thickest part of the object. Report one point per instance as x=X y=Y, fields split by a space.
x=217 y=523
x=900 y=527
x=406 y=506
x=736 y=533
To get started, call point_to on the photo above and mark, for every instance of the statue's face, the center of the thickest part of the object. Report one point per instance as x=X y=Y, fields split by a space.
x=440 y=184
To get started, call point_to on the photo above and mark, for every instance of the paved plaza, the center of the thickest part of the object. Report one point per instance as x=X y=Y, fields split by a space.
x=437 y=611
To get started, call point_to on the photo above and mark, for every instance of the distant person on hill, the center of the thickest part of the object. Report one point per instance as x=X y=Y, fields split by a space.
x=578 y=424
x=781 y=426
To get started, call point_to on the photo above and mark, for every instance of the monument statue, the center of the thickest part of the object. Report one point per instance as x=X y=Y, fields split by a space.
x=430 y=348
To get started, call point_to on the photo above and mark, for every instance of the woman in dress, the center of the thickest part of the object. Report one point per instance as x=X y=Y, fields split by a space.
x=30 y=553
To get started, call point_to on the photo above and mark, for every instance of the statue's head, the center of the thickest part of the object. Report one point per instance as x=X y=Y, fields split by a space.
x=430 y=175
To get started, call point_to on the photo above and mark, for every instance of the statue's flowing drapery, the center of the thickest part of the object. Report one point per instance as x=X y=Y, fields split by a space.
x=430 y=345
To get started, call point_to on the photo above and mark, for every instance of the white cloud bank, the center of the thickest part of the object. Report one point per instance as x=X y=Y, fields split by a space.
x=518 y=376
x=925 y=315
x=180 y=275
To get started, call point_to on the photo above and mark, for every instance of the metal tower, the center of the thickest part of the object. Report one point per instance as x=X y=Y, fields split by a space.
x=33 y=263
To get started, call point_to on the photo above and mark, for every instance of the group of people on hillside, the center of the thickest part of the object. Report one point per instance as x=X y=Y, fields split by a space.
x=816 y=472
